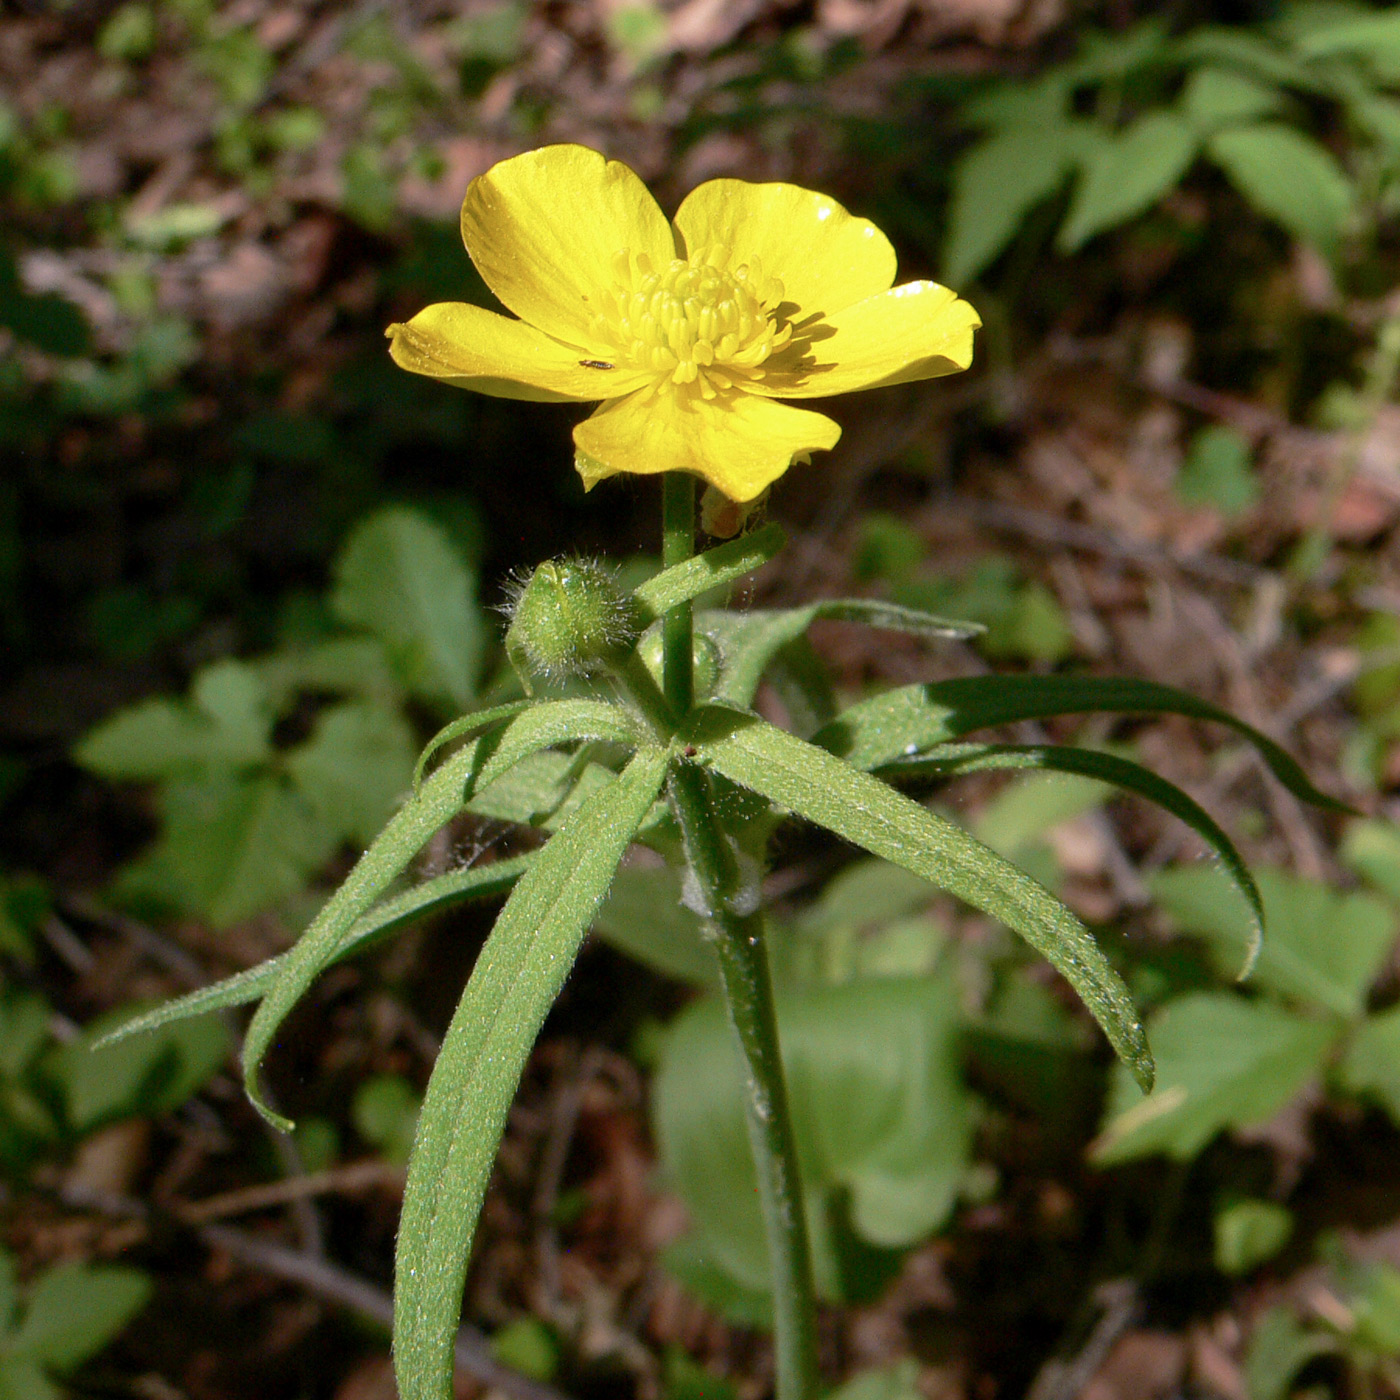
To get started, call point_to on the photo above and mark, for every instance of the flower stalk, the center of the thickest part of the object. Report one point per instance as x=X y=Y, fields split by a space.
x=677 y=629
x=740 y=946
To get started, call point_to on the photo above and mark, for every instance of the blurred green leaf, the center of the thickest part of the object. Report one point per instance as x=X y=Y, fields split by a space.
x=1222 y=1062
x=897 y=1382
x=227 y=724
x=528 y=1346
x=356 y=766
x=385 y=1113
x=1218 y=471
x=1126 y=174
x=643 y=916
x=1248 y=1233
x=1372 y=849
x=1214 y=97
x=878 y=1106
x=74 y=1310
x=1288 y=177
x=400 y=578
x=1279 y=1347
x=1323 y=947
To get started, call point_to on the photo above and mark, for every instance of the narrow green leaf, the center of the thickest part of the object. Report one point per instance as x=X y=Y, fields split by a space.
x=548 y=723
x=515 y=981
x=702 y=572
x=899 y=723
x=1127 y=174
x=749 y=642
x=400 y=578
x=1107 y=768
x=465 y=727
x=1288 y=177
x=431 y=897
x=441 y=798
x=812 y=784
x=1223 y=1062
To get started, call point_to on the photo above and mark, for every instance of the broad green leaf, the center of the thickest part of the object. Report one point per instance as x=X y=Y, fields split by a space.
x=995 y=185
x=643 y=917
x=1020 y=813
x=440 y=798
x=1251 y=52
x=1324 y=948
x=23 y=1379
x=231 y=847
x=1248 y=1233
x=897 y=1382
x=1288 y=177
x=1218 y=471
x=151 y=1073
x=340 y=666
x=1214 y=97
x=75 y=1310
x=1370 y=36
x=1126 y=174
x=1372 y=849
x=400 y=578
x=900 y=723
x=819 y=788
x=227 y=724
x=1279 y=1347
x=1222 y=1062
x=516 y=979
x=715 y=567
x=1371 y=1066
x=355 y=768
x=431 y=897
x=750 y=642
x=879 y=1111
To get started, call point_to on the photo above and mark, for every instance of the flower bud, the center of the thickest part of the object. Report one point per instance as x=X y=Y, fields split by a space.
x=569 y=618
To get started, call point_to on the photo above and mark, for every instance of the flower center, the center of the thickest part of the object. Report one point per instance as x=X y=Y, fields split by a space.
x=693 y=322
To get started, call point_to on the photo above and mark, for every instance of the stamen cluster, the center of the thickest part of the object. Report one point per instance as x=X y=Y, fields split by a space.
x=693 y=322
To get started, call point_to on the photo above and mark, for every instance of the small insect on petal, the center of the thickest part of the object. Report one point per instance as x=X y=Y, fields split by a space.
x=596 y=364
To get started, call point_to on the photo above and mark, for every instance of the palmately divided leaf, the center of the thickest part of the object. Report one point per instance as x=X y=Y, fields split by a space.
x=813 y=785
x=516 y=979
x=715 y=567
x=431 y=897
x=1108 y=768
x=901 y=723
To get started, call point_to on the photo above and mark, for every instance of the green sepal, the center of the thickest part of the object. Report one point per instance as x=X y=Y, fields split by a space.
x=901 y=722
x=952 y=759
x=682 y=583
x=827 y=791
x=431 y=897
x=516 y=979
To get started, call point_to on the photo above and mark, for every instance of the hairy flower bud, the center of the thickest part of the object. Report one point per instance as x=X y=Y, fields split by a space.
x=568 y=618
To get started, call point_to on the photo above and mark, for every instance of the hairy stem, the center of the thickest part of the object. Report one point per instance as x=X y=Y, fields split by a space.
x=748 y=990
x=677 y=545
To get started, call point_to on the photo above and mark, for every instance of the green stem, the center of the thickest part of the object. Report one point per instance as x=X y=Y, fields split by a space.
x=677 y=545
x=743 y=959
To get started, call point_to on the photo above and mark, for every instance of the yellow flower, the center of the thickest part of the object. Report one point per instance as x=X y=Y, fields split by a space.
x=687 y=331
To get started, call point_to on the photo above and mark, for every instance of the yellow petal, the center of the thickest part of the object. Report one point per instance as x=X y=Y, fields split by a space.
x=544 y=229
x=739 y=445
x=825 y=258
x=916 y=331
x=477 y=349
